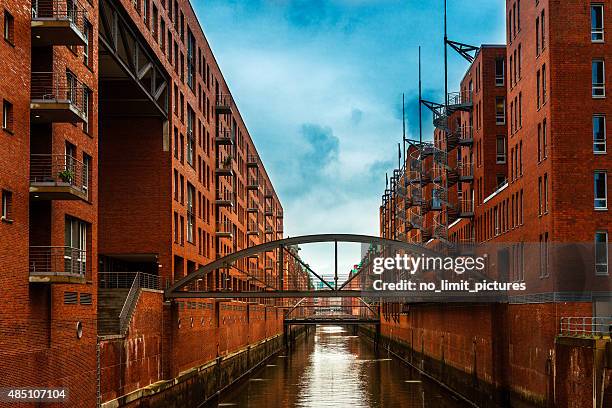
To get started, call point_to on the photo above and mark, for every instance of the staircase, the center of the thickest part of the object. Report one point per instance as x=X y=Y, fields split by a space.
x=110 y=303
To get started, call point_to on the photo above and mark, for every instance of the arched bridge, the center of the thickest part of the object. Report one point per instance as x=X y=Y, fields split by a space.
x=275 y=270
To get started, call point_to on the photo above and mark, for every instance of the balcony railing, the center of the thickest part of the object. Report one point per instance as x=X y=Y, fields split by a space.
x=252 y=160
x=224 y=103
x=268 y=211
x=466 y=135
x=58 y=97
x=59 y=176
x=268 y=229
x=224 y=198
x=225 y=166
x=586 y=326
x=252 y=182
x=224 y=228
x=466 y=171
x=224 y=137
x=252 y=228
x=58 y=22
x=466 y=207
x=124 y=280
x=57 y=262
x=252 y=206
x=279 y=214
x=460 y=98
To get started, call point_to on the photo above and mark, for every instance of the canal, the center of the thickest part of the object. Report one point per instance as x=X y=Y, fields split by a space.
x=332 y=368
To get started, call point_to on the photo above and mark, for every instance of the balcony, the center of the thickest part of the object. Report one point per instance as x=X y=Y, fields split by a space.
x=224 y=230
x=268 y=193
x=224 y=138
x=252 y=160
x=57 y=98
x=252 y=228
x=57 y=22
x=58 y=177
x=224 y=198
x=57 y=264
x=466 y=135
x=224 y=104
x=466 y=208
x=268 y=211
x=225 y=167
x=268 y=229
x=279 y=214
x=460 y=101
x=252 y=183
x=466 y=172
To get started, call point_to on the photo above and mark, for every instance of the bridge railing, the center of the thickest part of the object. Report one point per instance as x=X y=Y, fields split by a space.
x=589 y=326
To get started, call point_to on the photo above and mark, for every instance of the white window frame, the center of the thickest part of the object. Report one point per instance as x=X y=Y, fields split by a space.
x=5 y=205
x=500 y=119
x=596 y=31
x=598 y=87
x=605 y=136
x=603 y=200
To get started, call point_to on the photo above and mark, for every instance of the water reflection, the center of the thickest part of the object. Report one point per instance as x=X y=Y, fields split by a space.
x=335 y=369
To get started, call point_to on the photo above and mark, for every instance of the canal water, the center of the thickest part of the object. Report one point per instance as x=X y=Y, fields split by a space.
x=333 y=368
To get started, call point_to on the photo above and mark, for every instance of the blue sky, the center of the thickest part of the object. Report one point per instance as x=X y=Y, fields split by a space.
x=319 y=85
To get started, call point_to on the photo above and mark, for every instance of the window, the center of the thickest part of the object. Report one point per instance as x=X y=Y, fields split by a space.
x=500 y=73
x=501 y=150
x=86 y=173
x=190 y=212
x=597 y=23
x=9 y=27
x=191 y=64
x=145 y=12
x=544 y=83
x=88 y=47
x=190 y=136
x=544 y=140
x=545 y=192
x=601 y=253
x=543 y=31
x=599 y=134
x=155 y=23
x=7 y=116
x=601 y=190
x=75 y=242
x=87 y=109
x=500 y=110
x=538 y=86
x=539 y=195
x=537 y=35
x=518 y=62
x=7 y=205
x=598 y=79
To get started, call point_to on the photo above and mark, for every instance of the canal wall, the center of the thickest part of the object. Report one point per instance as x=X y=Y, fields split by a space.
x=492 y=354
x=182 y=353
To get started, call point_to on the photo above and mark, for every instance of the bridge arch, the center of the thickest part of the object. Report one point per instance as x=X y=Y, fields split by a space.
x=175 y=291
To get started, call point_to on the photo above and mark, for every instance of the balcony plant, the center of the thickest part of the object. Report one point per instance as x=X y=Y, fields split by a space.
x=67 y=176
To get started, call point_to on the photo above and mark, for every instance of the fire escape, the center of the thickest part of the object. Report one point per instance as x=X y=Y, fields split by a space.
x=447 y=171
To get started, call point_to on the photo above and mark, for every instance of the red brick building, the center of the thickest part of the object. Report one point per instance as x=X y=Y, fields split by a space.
x=123 y=153
x=520 y=165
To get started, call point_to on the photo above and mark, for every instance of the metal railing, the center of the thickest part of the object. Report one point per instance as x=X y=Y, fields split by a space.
x=465 y=169
x=590 y=326
x=466 y=205
x=252 y=159
x=225 y=135
x=460 y=98
x=252 y=227
x=225 y=163
x=130 y=304
x=59 y=88
x=225 y=101
x=268 y=229
x=224 y=195
x=124 y=280
x=57 y=261
x=224 y=227
x=268 y=210
x=279 y=214
x=465 y=133
x=253 y=181
x=71 y=10
x=59 y=169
